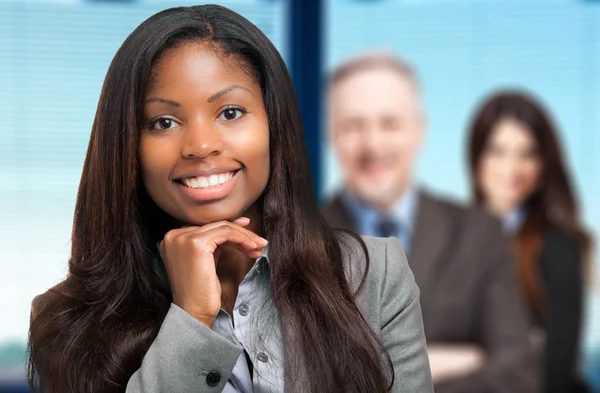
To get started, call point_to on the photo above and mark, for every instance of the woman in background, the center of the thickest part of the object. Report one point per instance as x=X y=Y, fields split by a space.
x=518 y=174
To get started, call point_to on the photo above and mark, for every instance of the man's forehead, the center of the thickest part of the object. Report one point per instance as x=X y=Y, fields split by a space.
x=374 y=95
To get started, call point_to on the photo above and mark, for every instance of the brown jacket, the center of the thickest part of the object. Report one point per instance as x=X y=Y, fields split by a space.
x=469 y=293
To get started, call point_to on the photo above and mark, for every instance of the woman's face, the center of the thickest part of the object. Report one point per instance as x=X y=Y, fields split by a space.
x=510 y=168
x=204 y=150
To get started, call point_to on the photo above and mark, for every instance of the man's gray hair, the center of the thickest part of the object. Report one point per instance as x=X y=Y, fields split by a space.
x=375 y=60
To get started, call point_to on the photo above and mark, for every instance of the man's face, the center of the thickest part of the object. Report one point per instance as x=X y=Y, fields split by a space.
x=377 y=126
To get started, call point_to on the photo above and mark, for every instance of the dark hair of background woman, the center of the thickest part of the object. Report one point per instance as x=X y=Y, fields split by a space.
x=93 y=333
x=552 y=204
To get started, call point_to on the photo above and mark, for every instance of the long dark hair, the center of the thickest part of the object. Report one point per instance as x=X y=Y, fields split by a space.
x=92 y=331
x=553 y=203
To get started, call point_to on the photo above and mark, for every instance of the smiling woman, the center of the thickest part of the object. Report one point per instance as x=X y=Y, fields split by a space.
x=519 y=174
x=204 y=153
x=196 y=163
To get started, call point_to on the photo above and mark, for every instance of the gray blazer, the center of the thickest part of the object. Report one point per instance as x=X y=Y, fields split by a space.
x=187 y=356
x=469 y=293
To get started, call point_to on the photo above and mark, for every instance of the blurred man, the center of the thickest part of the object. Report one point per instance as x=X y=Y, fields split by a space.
x=475 y=322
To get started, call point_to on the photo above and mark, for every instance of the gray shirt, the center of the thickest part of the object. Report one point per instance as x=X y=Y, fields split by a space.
x=187 y=356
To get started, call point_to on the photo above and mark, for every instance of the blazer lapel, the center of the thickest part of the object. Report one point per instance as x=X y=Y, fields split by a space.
x=431 y=237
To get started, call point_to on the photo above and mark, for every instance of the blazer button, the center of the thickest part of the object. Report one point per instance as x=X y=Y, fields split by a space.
x=213 y=378
x=262 y=357
x=244 y=309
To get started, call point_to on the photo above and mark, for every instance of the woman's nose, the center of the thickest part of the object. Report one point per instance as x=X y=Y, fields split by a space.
x=201 y=139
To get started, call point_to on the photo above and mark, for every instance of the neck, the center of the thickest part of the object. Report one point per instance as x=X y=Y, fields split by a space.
x=386 y=201
x=499 y=209
x=233 y=265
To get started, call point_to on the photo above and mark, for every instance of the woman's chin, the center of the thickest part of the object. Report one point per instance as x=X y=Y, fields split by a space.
x=210 y=217
x=198 y=222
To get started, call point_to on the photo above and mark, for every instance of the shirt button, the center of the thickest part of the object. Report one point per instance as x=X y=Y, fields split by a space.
x=262 y=357
x=244 y=309
x=213 y=378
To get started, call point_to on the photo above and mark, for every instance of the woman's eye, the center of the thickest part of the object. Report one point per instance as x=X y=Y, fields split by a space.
x=231 y=114
x=163 y=124
x=495 y=151
x=529 y=154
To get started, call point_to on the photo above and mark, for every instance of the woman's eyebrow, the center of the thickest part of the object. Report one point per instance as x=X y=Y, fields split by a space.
x=217 y=95
x=161 y=100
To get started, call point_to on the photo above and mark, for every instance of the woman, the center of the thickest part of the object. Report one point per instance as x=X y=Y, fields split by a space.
x=518 y=174
x=196 y=154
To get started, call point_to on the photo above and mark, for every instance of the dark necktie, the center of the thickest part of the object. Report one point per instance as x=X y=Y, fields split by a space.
x=387 y=227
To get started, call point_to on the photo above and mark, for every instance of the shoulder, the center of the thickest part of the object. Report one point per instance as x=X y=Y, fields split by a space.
x=333 y=208
x=476 y=239
x=561 y=251
x=562 y=268
x=386 y=254
x=443 y=204
x=558 y=237
x=471 y=218
x=388 y=278
x=379 y=251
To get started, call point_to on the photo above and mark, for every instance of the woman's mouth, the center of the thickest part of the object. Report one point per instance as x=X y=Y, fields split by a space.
x=208 y=188
x=202 y=182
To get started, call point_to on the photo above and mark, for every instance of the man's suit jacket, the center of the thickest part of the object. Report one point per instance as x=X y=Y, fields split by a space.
x=469 y=293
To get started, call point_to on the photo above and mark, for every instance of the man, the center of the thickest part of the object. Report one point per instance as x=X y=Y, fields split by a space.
x=474 y=318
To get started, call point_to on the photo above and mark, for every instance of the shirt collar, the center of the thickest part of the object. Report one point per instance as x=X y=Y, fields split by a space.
x=514 y=220
x=403 y=211
x=265 y=256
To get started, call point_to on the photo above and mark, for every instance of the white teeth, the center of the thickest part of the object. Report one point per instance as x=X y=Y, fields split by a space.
x=202 y=182
x=210 y=181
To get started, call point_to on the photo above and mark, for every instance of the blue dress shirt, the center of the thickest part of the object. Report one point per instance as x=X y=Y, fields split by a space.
x=367 y=217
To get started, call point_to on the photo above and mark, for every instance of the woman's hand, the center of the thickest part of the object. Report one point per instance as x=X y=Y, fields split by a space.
x=190 y=255
x=454 y=361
